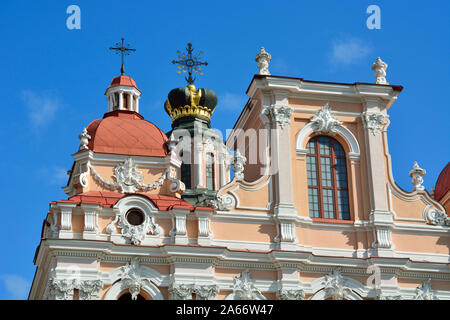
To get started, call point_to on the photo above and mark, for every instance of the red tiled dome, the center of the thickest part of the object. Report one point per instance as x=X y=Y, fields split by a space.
x=442 y=183
x=126 y=132
x=123 y=81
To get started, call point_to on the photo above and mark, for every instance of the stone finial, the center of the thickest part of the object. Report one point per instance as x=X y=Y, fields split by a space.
x=380 y=71
x=84 y=139
x=263 y=58
x=417 y=174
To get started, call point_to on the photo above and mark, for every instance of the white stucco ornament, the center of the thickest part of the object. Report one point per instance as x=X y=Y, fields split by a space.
x=335 y=285
x=380 y=71
x=263 y=58
x=128 y=179
x=438 y=218
x=222 y=202
x=374 y=121
x=238 y=168
x=324 y=122
x=417 y=174
x=280 y=114
x=84 y=139
x=425 y=292
x=132 y=279
x=297 y=294
x=244 y=288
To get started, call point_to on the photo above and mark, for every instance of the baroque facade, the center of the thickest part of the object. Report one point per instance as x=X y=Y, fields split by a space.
x=298 y=203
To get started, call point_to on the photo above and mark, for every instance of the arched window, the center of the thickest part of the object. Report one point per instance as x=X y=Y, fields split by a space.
x=186 y=170
x=210 y=171
x=327 y=179
x=127 y=297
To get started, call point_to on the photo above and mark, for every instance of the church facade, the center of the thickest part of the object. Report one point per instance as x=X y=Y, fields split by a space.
x=298 y=203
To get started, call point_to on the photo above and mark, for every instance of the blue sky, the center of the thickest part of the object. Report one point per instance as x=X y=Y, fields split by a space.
x=54 y=81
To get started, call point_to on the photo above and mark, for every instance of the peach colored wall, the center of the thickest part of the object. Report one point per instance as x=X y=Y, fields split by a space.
x=422 y=243
x=254 y=274
x=408 y=209
x=165 y=224
x=257 y=198
x=327 y=238
x=309 y=276
x=316 y=105
x=243 y=231
x=414 y=283
x=192 y=228
x=77 y=223
x=222 y=272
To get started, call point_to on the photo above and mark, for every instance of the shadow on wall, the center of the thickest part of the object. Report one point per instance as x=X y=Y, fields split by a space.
x=445 y=241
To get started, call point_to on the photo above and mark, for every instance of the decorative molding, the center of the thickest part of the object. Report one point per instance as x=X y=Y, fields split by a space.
x=181 y=291
x=380 y=67
x=222 y=203
x=134 y=233
x=137 y=233
x=238 y=166
x=263 y=58
x=61 y=289
x=417 y=174
x=128 y=178
x=335 y=285
x=132 y=278
x=345 y=133
x=298 y=294
x=383 y=238
x=206 y=292
x=438 y=218
x=88 y=289
x=381 y=296
x=425 y=292
x=374 y=121
x=324 y=122
x=244 y=288
x=279 y=113
x=285 y=232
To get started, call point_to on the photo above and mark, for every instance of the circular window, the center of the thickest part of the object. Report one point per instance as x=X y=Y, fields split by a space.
x=135 y=217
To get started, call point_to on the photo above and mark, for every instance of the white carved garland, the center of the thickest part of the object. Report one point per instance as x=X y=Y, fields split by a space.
x=128 y=179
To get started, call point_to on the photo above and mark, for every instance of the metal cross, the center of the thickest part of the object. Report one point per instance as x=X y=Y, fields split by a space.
x=190 y=63
x=123 y=50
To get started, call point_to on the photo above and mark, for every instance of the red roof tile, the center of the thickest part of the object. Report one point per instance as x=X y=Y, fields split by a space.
x=123 y=81
x=442 y=183
x=109 y=199
x=126 y=132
